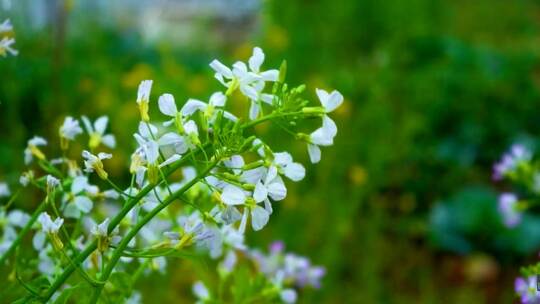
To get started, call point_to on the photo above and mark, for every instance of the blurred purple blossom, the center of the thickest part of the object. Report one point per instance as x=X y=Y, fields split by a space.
x=510 y=160
x=527 y=290
x=508 y=209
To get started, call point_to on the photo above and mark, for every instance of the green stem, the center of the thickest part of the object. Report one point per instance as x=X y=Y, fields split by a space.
x=272 y=116
x=24 y=231
x=117 y=189
x=133 y=232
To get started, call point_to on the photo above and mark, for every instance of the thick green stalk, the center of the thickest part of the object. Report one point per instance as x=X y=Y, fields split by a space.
x=24 y=231
x=133 y=232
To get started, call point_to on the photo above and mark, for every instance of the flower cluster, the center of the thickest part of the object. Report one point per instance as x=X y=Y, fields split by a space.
x=231 y=181
x=7 y=41
x=519 y=166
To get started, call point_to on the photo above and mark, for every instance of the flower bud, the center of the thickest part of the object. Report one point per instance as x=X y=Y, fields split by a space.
x=56 y=242
x=143 y=109
x=153 y=174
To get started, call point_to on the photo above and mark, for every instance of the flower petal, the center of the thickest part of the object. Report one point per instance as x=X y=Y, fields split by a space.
x=233 y=195
x=101 y=124
x=38 y=241
x=230 y=215
x=260 y=192
x=277 y=190
x=170 y=160
x=109 y=141
x=167 y=105
x=218 y=99
x=330 y=101
x=253 y=110
x=170 y=138
x=256 y=60
x=295 y=171
x=83 y=203
x=329 y=126
x=191 y=127
x=314 y=153
x=221 y=68
x=321 y=137
x=87 y=124
x=191 y=106
x=151 y=150
x=283 y=158
x=259 y=218
x=79 y=184
x=270 y=75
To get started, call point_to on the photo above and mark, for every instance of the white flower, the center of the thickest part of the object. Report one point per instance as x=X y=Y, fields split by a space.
x=101 y=233
x=26 y=177
x=47 y=225
x=46 y=264
x=9 y=223
x=167 y=106
x=143 y=93
x=193 y=230
x=259 y=217
x=147 y=144
x=32 y=149
x=241 y=77
x=255 y=62
x=93 y=163
x=97 y=132
x=254 y=93
x=143 y=98
x=233 y=195
x=294 y=171
x=6 y=26
x=70 y=128
x=145 y=160
x=172 y=139
x=192 y=132
x=228 y=263
x=210 y=109
x=6 y=46
x=288 y=295
x=272 y=187
x=330 y=101
x=77 y=201
x=101 y=230
x=324 y=136
x=159 y=264
x=201 y=292
x=4 y=190
x=52 y=183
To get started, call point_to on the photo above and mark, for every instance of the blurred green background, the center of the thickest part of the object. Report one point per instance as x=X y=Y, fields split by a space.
x=402 y=209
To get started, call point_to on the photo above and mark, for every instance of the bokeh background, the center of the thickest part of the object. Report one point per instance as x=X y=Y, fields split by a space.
x=402 y=209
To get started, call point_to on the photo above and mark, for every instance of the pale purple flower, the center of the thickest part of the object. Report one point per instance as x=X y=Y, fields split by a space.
x=508 y=209
x=510 y=160
x=527 y=290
